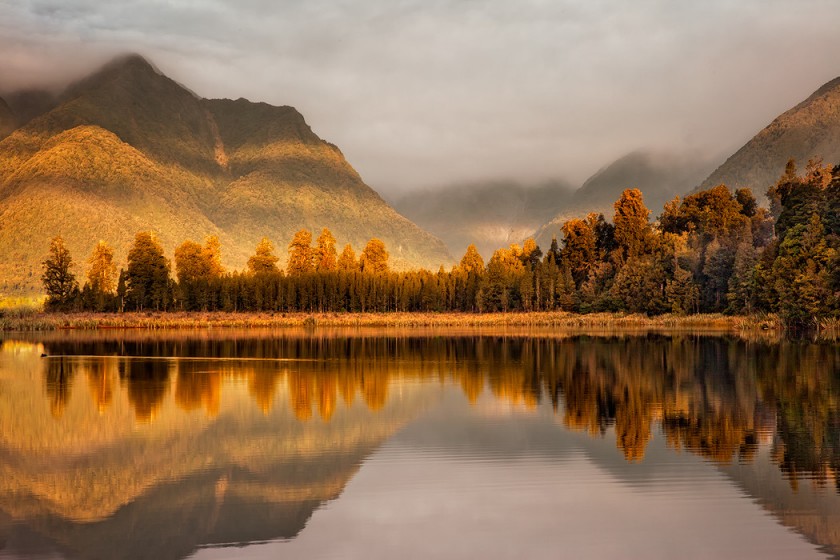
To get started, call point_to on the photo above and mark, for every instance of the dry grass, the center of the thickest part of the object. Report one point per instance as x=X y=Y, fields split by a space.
x=33 y=321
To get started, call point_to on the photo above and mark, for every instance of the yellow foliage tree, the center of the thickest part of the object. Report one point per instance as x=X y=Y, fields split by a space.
x=472 y=261
x=102 y=274
x=264 y=260
x=326 y=257
x=374 y=257
x=347 y=261
x=300 y=254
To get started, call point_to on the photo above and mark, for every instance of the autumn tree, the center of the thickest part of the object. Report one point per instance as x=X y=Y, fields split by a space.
x=101 y=277
x=213 y=253
x=326 y=256
x=468 y=276
x=59 y=281
x=263 y=261
x=195 y=267
x=147 y=274
x=301 y=255
x=374 y=257
x=347 y=260
x=191 y=262
x=500 y=289
x=472 y=262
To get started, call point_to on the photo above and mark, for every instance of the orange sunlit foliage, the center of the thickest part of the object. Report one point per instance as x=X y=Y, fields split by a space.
x=633 y=386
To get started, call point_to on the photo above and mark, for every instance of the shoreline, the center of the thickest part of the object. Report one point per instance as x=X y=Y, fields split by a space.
x=42 y=321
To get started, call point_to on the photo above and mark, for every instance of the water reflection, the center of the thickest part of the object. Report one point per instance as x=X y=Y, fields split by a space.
x=240 y=436
x=713 y=396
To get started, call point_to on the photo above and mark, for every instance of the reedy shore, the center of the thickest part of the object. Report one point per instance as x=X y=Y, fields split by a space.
x=41 y=321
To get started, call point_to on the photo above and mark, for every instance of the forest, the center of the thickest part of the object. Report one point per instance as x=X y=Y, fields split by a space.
x=712 y=251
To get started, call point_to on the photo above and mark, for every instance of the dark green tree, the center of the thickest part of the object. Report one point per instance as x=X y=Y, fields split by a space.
x=147 y=275
x=58 y=279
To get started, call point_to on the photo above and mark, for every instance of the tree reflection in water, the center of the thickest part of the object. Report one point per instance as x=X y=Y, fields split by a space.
x=714 y=396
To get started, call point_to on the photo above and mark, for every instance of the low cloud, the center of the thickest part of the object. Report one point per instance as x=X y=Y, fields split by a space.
x=424 y=93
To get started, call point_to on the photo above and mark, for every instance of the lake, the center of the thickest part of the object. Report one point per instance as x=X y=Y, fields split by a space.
x=518 y=443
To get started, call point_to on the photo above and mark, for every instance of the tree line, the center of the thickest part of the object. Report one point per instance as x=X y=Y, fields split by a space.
x=712 y=251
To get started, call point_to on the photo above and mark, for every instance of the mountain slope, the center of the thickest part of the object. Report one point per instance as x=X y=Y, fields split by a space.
x=7 y=119
x=488 y=215
x=660 y=177
x=811 y=129
x=128 y=149
x=279 y=166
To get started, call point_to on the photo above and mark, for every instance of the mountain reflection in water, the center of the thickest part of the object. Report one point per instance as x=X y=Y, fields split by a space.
x=154 y=445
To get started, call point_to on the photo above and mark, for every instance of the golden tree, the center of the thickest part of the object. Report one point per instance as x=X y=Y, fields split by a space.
x=213 y=253
x=347 y=261
x=326 y=256
x=102 y=274
x=264 y=260
x=191 y=262
x=374 y=257
x=101 y=283
x=472 y=261
x=300 y=254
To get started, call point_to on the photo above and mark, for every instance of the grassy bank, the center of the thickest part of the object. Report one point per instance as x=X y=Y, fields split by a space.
x=39 y=321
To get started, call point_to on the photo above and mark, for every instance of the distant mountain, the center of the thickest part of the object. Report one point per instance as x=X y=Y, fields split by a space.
x=7 y=119
x=810 y=129
x=128 y=149
x=490 y=215
x=660 y=176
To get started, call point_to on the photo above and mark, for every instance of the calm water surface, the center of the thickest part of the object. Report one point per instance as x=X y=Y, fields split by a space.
x=421 y=444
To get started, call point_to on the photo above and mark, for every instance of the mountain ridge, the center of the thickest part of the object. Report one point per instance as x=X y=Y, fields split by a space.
x=659 y=175
x=809 y=129
x=128 y=148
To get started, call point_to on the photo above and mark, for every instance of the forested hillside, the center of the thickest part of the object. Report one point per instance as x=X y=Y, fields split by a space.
x=713 y=251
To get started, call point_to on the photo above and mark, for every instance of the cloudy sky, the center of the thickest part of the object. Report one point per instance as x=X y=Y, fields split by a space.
x=422 y=93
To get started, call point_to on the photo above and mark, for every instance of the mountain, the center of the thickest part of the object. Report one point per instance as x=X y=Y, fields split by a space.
x=811 y=129
x=660 y=176
x=128 y=149
x=7 y=119
x=490 y=215
x=27 y=104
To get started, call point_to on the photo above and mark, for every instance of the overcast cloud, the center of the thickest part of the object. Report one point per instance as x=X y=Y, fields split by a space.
x=433 y=92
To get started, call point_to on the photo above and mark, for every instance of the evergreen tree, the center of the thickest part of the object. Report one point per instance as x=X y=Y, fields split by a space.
x=802 y=272
x=579 y=248
x=632 y=229
x=741 y=295
x=59 y=281
x=147 y=275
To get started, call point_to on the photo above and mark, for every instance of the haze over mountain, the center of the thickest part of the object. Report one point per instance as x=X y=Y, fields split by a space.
x=659 y=175
x=128 y=149
x=810 y=129
x=490 y=215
